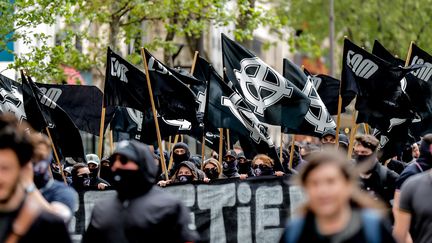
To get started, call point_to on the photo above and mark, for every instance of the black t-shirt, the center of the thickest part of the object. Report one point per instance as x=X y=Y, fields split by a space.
x=415 y=198
x=46 y=228
x=381 y=183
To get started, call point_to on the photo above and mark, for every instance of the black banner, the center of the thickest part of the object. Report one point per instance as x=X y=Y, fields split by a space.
x=253 y=210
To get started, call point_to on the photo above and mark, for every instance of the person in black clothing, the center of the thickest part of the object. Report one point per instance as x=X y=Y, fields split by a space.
x=93 y=162
x=244 y=166
x=141 y=212
x=376 y=179
x=22 y=218
x=336 y=209
x=229 y=164
x=212 y=169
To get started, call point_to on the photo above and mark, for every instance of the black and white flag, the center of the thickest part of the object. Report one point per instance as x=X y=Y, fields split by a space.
x=43 y=113
x=271 y=97
x=328 y=90
x=379 y=93
x=11 y=98
x=317 y=120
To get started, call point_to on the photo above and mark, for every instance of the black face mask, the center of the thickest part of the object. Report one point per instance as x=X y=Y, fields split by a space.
x=211 y=173
x=360 y=159
x=82 y=181
x=106 y=173
x=261 y=170
x=41 y=174
x=244 y=167
x=185 y=178
x=129 y=183
x=178 y=158
x=94 y=173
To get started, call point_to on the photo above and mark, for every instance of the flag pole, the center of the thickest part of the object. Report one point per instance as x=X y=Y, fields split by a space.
x=292 y=152
x=56 y=155
x=159 y=139
x=220 y=145
x=366 y=128
x=101 y=130
x=281 y=146
x=353 y=132
x=228 y=138
x=169 y=144
x=409 y=54
x=170 y=164
x=203 y=149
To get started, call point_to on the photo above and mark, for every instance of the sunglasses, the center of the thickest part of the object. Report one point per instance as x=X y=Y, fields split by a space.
x=84 y=175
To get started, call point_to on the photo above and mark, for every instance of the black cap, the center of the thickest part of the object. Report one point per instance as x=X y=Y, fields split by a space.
x=328 y=132
x=241 y=156
x=231 y=153
x=343 y=139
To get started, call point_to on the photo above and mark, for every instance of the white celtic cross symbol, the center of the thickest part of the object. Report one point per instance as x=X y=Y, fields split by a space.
x=322 y=121
x=262 y=86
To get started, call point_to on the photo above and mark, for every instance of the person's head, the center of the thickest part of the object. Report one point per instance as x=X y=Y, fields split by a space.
x=186 y=172
x=41 y=159
x=262 y=165
x=425 y=148
x=415 y=150
x=180 y=152
x=80 y=176
x=330 y=185
x=241 y=158
x=68 y=171
x=343 y=143
x=230 y=156
x=134 y=169
x=365 y=151
x=307 y=149
x=211 y=168
x=328 y=138
x=16 y=151
x=93 y=164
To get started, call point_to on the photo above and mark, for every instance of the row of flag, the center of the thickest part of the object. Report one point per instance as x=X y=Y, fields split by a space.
x=392 y=95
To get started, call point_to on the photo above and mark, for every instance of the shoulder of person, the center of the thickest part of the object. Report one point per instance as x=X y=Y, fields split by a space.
x=415 y=179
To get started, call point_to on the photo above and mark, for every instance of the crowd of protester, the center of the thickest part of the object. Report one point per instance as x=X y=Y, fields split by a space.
x=360 y=199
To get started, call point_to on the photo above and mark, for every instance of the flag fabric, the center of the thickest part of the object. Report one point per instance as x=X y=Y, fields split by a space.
x=317 y=120
x=174 y=99
x=42 y=112
x=380 y=51
x=379 y=94
x=11 y=98
x=125 y=85
x=227 y=109
x=395 y=139
x=272 y=98
x=83 y=104
x=328 y=90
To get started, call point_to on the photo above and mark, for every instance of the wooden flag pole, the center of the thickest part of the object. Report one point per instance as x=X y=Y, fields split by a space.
x=170 y=164
x=101 y=130
x=169 y=143
x=353 y=133
x=228 y=139
x=194 y=62
x=281 y=146
x=159 y=139
x=56 y=155
x=203 y=149
x=292 y=152
x=220 y=146
x=366 y=128
x=409 y=54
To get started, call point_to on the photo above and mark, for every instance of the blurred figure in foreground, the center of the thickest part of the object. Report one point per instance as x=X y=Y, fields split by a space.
x=336 y=210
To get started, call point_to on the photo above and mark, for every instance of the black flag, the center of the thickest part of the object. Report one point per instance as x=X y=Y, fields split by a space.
x=42 y=112
x=317 y=120
x=125 y=85
x=227 y=109
x=328 y=90
x=83 y=104
x=11 y=99
x=272 y=98
x=379 y=95
x=380 y=51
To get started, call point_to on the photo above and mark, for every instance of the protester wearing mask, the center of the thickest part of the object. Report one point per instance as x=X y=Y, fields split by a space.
x=140 y=212
x=263 y=166
x=93 y=165
x=376 y=179
x=328 y=139
x=80 y=177
x=180 y=153
x=244 y=166
x=336 y=210
x=230 y=169
x=68 y=174
x=105 y=171
x=186 y=172
x=212 y=169
x=53 y=195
